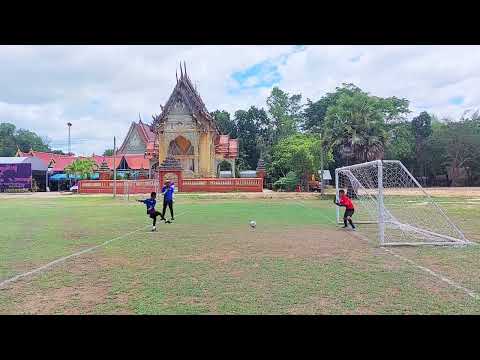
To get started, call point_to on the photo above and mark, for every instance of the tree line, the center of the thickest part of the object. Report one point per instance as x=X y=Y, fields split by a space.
x=343 y=127
x=350 y=126
x=12 y=139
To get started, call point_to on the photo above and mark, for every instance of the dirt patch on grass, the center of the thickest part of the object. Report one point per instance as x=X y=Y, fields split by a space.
x=80 y=298
x=88 y=288
x=317 y=305
x=319 y=243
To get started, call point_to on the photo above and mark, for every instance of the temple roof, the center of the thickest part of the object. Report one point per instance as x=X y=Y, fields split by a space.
x=137 y=162
x=186 y=92
x=145 y=132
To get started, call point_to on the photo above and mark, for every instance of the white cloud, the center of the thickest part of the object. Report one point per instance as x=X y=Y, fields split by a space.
x=101 y=89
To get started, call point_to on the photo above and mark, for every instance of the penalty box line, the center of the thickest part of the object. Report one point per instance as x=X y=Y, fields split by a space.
x=452 y=283
x=65 y=258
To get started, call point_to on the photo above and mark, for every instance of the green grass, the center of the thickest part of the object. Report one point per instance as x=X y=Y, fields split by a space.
x=210 y=261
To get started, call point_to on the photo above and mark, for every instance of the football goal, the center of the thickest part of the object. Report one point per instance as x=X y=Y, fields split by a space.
x=393 y=206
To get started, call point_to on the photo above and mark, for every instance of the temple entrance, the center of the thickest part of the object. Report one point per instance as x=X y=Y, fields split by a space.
x=182 y=150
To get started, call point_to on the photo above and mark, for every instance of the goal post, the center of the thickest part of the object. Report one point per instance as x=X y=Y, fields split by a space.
x=390 y=202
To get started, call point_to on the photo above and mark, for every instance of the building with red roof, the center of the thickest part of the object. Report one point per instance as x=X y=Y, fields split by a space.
x=57 y=162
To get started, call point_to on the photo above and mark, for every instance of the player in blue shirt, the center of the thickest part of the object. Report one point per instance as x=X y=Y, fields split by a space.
x=167 y=191
x=150 y=203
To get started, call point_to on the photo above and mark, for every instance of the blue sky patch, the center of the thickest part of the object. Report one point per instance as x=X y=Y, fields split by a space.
x=456 y=100
x=355 y=58
x=264 y=74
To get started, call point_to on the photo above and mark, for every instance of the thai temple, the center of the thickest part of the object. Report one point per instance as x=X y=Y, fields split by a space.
x=184 y=130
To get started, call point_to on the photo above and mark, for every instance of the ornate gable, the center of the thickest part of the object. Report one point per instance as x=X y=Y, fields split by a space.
x=134 y=143
x=184 y=102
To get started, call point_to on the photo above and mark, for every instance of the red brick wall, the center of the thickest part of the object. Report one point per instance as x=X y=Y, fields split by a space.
x=106 y=186
x=188 y=185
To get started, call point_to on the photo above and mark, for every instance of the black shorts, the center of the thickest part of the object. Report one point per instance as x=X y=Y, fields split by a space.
x=348 y=212
x=153 y=213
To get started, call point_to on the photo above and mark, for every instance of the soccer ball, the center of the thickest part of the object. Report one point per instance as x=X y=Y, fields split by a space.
x=253 y=224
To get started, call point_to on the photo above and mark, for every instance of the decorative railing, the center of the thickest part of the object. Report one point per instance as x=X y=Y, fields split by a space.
x=223 y=185
x=123 y=186
x=187 y=185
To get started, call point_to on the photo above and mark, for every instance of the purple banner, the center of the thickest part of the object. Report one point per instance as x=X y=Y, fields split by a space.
x=15 y=177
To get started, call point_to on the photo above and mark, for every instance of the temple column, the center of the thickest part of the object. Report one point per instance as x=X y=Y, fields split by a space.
x=232 y=164
x=196 y=154
x=162 y=147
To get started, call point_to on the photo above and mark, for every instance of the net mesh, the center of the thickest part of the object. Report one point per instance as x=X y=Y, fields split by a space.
x=395 y=205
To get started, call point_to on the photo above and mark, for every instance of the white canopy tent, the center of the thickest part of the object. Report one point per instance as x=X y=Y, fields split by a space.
x=326 y=175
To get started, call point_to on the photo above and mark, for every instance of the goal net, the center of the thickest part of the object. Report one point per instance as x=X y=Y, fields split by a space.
x=393 y=206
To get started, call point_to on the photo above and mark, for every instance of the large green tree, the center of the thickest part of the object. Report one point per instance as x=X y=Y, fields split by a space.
x=421 y=129
x=7 y=139
x=27 y=140
x=300 y=153
x=285 y=110
x=226 y=125
x=253 y=130
x=315 y=112
x=355 y=128
x=11 y=138
x=393 y=109
x=401 y=143
x=453 y=148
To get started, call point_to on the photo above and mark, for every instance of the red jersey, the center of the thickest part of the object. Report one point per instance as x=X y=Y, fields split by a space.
x=345 y=200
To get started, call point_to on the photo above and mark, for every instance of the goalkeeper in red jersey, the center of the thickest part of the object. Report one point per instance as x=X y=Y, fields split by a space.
x=346 y=202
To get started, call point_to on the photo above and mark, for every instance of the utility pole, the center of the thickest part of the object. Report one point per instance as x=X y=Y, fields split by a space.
x=321 y=164
x=69 y=124
x=114 y=168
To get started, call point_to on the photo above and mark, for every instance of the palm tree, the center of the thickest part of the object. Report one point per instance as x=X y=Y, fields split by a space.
x=356 y=127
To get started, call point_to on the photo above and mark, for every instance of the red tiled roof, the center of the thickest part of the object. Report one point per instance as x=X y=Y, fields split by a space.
x=233 y=148
x=109 y=159
x=59 y=161
x=145 y=128
x=226 y=146
x=137 y=162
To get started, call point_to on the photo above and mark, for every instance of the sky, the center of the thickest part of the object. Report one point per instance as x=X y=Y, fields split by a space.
x=102 y=89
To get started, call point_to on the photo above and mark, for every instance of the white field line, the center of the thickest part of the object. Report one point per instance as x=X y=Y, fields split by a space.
x=452 y=283
x=62 y=259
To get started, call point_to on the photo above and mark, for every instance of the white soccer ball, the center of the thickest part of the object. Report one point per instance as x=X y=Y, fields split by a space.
x=253 y=224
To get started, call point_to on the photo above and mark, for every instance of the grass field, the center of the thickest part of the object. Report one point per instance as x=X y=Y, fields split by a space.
x=210 y=262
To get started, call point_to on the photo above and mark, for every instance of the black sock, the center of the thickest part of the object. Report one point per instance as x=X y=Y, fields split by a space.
x=345 y=222
x=351 y=223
